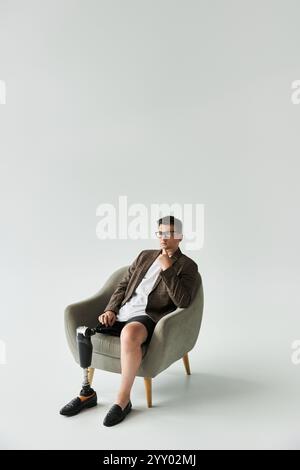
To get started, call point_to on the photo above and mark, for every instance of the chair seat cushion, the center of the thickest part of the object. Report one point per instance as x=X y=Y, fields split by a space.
x=110 y=345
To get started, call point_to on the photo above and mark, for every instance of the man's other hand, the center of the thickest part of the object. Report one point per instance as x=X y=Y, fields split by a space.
x=108 y=318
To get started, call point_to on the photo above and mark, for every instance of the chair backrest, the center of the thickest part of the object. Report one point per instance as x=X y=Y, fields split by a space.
x=114 y=279
x=198 y=302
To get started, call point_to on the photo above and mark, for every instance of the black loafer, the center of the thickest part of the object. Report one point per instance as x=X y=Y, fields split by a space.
x=116 y=414
x=76 y=405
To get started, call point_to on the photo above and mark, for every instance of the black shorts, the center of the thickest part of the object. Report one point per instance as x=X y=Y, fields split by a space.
x=116 y=328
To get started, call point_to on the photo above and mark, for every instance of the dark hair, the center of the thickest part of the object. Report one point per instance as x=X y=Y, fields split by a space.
x=171 y=220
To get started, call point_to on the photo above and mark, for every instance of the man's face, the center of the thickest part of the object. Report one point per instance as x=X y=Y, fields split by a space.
x=167 y=238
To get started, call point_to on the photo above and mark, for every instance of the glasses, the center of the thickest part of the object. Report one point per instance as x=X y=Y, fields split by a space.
x=160 y=234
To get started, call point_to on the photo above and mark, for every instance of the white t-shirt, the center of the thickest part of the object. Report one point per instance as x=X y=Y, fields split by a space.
x=136 y=305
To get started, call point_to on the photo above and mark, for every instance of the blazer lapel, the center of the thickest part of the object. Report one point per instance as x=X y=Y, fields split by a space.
x=156 y=283
x=145 y=266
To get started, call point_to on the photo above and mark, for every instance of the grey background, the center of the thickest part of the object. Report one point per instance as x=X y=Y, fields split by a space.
x=162 y=101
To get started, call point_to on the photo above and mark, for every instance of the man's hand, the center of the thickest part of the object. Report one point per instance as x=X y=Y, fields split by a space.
x=108 y=318
x=165 y=259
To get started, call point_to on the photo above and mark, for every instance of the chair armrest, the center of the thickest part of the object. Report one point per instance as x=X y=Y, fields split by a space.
x=174 y=335
x=87 y=311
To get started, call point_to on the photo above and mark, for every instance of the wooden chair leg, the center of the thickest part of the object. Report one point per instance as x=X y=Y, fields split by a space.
x=148 y=386
x=186 y=364
x=91 y=371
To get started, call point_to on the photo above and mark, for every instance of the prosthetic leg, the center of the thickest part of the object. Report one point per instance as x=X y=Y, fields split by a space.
x=85 y=350
x=87 y=397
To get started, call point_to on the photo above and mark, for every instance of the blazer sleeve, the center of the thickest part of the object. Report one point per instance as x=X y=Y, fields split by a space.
x=119 y=293
x=181 y=287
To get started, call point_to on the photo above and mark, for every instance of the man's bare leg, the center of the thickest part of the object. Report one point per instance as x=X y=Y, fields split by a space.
x=132 y=337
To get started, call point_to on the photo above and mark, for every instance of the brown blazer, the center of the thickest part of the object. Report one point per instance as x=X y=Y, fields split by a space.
x=174 y=287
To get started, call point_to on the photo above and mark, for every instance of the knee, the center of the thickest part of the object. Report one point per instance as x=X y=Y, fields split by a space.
x=131 y=335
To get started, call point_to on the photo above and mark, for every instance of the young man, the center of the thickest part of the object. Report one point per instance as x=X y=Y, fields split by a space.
x=156 y=283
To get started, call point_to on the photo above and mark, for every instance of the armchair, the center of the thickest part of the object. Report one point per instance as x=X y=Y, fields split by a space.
x=174 y=335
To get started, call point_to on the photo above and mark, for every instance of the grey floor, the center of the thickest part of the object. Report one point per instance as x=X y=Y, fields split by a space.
x=243 y=391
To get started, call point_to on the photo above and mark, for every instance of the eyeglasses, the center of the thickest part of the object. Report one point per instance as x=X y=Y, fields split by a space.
x=160 y=234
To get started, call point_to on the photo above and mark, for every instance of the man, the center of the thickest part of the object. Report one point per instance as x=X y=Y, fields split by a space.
x=156 y=283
